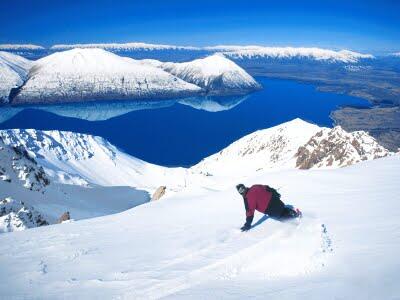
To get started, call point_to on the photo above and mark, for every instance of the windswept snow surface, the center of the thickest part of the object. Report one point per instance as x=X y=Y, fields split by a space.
x=318 y=54
x=215 y=73
x=188 y=245
x=13 y=72
x=95 y=74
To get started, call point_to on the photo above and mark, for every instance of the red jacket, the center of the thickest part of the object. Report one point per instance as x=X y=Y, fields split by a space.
x=258 y=197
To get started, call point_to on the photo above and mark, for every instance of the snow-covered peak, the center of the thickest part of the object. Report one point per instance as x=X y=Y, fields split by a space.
x=337 y=148
x=96 y=74
x=20 y=47
x=215 y=73
x=294 y=144
x=263 y=149
x=318 y=54
x=124 y=46
x=16 y=216
x=13 y=72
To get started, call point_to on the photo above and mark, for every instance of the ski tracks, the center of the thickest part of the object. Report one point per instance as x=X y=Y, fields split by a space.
x=283 y=249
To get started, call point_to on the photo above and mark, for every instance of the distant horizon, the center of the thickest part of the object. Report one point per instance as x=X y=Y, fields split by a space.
x=201 y=47
x=368 y=25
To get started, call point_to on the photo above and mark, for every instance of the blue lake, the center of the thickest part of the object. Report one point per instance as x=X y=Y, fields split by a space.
x=182 y=132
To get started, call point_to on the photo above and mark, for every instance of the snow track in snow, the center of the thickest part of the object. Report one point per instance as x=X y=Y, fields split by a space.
x=296 y=248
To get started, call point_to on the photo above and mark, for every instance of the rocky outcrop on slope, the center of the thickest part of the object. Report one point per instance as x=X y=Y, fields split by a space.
x=16 y=216
x=159 y=193
x=338 y=148
x=16 y=164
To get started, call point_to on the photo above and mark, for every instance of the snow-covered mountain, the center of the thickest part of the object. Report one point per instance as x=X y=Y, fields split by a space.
x=13 y=72
x=95 y=74
x=216 y=74
x=294 y=144
x=318 y=54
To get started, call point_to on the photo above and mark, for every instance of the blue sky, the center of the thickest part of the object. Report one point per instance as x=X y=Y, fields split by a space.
x=357 y=25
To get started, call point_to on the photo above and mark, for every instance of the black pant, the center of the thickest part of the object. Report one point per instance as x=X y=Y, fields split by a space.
x=288 y=213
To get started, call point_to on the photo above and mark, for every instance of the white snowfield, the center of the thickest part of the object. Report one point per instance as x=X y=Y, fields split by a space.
x=318 y=54
x=189 y=246
x=13 y=72
x=95 y=74
x=215 y=73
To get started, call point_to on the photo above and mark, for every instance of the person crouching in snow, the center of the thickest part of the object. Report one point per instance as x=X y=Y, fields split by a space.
x=267 y=201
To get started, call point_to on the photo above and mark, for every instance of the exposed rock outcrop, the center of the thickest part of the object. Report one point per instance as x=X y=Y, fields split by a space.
x=16 y=216
x=159 y=193
x=338 y=148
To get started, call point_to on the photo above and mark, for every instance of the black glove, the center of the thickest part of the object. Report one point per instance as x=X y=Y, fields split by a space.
x=245 y=227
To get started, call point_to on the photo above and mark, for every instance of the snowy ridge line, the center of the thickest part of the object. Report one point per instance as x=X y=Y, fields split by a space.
x=318 y=54
x=124 y=46
x=20 y=47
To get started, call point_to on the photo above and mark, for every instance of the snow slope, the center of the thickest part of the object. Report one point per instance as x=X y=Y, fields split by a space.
x=189 y=245
x=95 y=74
x=215 y=73
x=318 y=54
x=292 y=144
x=13 y=72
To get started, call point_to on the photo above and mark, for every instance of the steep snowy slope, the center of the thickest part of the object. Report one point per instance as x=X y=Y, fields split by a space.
x=292 y=144
x=13 y=72
x=190 y=246
x=91 y=158
x=216 y=74
x=32 y=196
x=95 y=74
